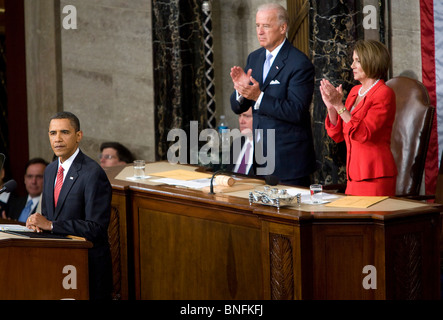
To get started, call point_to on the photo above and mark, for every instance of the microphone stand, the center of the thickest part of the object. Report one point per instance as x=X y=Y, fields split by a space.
x=211 y=187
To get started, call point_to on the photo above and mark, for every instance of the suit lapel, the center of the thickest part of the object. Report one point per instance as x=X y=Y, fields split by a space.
x=277 y=65
x=259 y=66
x=49 y=197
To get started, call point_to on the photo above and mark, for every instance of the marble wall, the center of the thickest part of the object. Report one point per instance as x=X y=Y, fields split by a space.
x=335 y=29
x=179 y=68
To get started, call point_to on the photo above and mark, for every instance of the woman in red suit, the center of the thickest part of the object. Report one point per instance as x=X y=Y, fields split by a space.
x=365 y=122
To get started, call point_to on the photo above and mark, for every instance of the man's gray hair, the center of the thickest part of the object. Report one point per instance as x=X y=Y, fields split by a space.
x=282 y=13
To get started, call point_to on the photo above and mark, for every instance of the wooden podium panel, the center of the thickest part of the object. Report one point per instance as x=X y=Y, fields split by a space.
x=187 y=244
x=35 y=269
x=187 y=257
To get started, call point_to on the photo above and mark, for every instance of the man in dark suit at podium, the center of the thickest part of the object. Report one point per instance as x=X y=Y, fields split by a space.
x=77 y=200
x=20 y=208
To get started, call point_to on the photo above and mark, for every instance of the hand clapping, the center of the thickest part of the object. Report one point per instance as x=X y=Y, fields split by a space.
x=332 y=97
x=245 y=84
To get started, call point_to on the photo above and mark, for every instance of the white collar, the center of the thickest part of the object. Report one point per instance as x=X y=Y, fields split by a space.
x=275 y=51
x=68 y=162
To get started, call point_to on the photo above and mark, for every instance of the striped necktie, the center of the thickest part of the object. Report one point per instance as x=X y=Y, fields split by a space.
x=58 y=185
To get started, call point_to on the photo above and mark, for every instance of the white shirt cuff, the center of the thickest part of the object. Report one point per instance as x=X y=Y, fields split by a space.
x=258 y=102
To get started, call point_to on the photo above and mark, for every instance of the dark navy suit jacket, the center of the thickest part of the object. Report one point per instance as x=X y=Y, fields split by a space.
x=288 y=91
x=83 y=209
x=16 y=205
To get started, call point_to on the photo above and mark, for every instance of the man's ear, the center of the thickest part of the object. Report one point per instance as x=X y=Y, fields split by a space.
x=79 y=136
x=284 y=28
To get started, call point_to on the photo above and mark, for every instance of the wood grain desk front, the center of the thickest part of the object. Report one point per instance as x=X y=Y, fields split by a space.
x=43 y=269
x=187 y=244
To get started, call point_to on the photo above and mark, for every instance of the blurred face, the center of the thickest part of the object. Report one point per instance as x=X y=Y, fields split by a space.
x=109 y=158
x=245 y=122
x=269 y=31
x=34 y=179
x=359 y=74
x=63 y=138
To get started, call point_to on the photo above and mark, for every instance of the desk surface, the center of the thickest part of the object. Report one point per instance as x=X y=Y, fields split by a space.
x=391 y=208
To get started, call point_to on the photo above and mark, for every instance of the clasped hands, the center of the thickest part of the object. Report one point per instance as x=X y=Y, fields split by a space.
x=332 y=97
x=245 y=84
x=38 y=223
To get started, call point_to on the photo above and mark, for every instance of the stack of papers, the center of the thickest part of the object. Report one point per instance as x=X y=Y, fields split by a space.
x=14 y=227
x=194 y=184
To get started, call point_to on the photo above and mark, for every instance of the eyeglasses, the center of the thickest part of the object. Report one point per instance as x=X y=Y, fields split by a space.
x=106 y=156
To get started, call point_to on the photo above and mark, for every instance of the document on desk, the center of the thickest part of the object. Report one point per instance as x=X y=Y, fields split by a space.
x=356 y=201
x=193 y=184
x=14 y=227
x=182 y=175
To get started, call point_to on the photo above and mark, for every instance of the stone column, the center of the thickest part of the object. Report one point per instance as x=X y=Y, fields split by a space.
x=179 y=68
x=43 y=72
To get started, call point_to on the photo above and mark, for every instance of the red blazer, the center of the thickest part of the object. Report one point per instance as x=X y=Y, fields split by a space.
x=368 y=134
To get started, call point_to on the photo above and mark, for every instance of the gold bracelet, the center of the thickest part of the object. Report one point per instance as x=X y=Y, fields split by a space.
x=341 y=111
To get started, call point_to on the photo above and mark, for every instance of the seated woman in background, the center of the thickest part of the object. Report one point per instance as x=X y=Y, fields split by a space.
x=365 y=122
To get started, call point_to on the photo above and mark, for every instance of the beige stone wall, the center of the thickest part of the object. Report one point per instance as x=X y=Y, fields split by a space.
x=43 y=73
x=405 y=40
x=105 y=71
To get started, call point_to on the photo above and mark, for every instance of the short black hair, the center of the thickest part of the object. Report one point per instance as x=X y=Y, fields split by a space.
x=34 y=161
x=75 y=122
x=123 y=153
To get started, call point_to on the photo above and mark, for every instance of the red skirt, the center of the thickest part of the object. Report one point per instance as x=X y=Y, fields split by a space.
x=372 y=187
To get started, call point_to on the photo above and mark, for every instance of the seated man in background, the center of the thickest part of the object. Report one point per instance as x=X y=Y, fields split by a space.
x=114 y=154
x=242 y=162
x=21 y=207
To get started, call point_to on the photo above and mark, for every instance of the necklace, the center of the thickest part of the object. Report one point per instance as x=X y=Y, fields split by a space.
x=362 y=94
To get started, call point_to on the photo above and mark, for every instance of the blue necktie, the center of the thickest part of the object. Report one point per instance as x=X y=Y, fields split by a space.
x=25 y=212
x=267 y=66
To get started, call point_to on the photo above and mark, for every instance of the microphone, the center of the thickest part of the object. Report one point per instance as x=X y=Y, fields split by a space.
x=9 y=186
x=211 y=186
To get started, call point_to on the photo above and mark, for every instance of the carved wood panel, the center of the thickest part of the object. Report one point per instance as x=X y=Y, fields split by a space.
x=408 y=266
x=114 y=242
x=282 y=274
